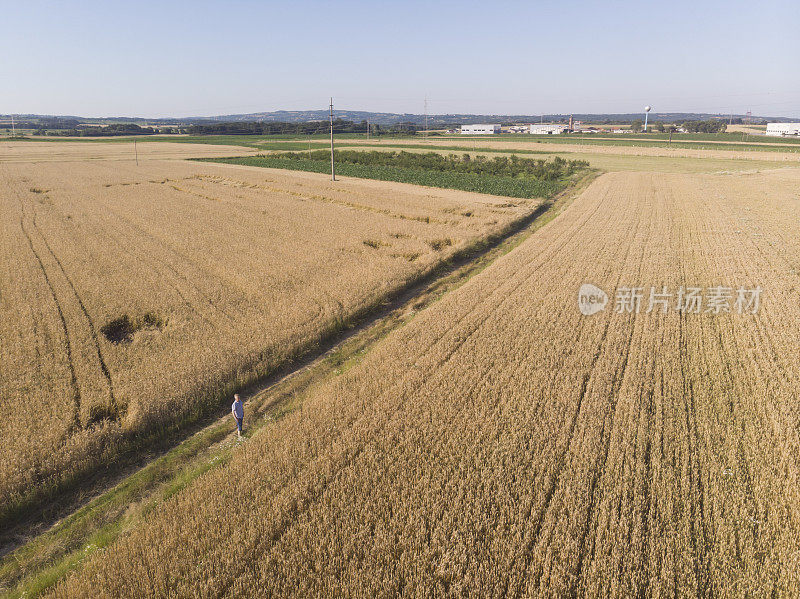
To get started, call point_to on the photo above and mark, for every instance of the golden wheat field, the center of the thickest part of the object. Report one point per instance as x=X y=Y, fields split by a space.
x=504 y=444
x=60 y=151
x=749 y=129
x=135 y=298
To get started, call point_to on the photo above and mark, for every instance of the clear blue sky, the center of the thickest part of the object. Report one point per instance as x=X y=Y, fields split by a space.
x=204 y=58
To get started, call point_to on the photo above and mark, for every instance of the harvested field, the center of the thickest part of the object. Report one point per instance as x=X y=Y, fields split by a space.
x=502 y=444
x=60 y=151
x=789 y=156
x=749 y=129
x=135 y=298
x=710 y=143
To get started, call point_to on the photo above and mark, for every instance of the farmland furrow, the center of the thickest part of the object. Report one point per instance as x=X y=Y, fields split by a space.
x=110 y=254
x=76 y=391
x=699 y=536
x=136 y=247
x=504 y=445
x=352 y=205
x=116 y=412
x=317 y=488
x=506 y=293
x=690 y=433
x=316 y=483
x=585 y=543
x=754 y=521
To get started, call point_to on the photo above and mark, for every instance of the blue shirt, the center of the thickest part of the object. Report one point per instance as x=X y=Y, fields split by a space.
x=238 y=409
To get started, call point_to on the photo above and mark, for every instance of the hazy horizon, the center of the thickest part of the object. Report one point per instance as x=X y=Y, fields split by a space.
x=653 y=114
x=100 y=60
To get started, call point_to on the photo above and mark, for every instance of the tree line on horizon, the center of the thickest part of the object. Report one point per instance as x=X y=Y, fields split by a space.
x=708 y=126
x=72 y=128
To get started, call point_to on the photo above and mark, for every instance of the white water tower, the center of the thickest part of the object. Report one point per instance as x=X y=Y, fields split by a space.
x=646 y=110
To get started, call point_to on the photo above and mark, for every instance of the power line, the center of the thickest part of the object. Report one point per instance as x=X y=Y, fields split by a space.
x=333 y=167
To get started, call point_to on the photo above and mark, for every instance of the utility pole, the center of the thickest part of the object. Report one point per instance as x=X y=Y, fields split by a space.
x=136 y=151
x=426 y=118
x=333 y=168
x=13 y=129
x=367 y=128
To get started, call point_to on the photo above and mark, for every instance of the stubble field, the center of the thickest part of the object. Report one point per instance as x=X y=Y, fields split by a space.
x=133 y=299
x=110 y=149
x=503 y=444
x=787 y=154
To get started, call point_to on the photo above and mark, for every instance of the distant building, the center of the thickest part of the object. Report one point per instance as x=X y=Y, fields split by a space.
x=783 y=129
x=547 y=129
x=480 y=129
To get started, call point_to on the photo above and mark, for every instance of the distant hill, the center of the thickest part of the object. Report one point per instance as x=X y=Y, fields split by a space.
x=380 y=118
x=388 y=118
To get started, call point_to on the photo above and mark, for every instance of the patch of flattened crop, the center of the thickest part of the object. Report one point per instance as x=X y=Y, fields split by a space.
x=123 y=328
x=439 y=244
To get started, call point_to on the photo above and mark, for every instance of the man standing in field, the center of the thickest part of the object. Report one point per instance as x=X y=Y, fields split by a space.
x=237 y=409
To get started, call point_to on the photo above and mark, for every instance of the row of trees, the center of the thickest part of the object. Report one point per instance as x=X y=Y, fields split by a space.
x=512 y=166
x=709 y=126
x=71 y=129
x=107 y=131
x=307 y=128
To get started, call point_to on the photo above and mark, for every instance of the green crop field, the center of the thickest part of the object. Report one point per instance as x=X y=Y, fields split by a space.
x=520 y=186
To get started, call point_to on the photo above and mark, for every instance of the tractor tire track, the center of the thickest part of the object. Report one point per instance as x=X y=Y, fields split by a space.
x=697 y=517
x=486 y=304
x=587 y=548
x=178 y=279
x=76 y=390
x=115 y=408
x=527 y=553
